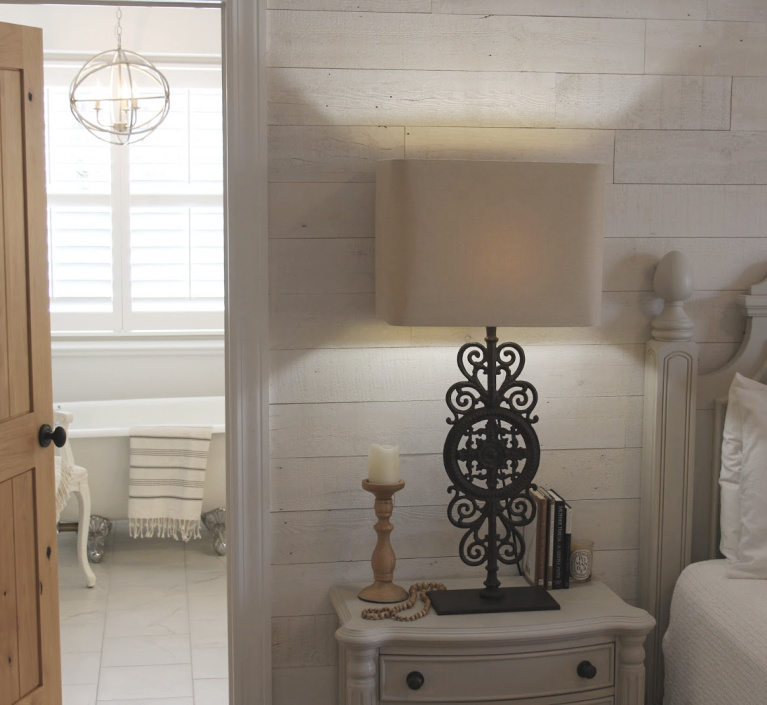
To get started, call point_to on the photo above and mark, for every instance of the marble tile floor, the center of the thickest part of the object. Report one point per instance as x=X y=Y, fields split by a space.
x=152 y=631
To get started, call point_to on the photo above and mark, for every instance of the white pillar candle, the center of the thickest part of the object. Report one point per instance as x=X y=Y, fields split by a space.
x=383 y=465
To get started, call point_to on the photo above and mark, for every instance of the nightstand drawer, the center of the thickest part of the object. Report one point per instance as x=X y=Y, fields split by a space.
x=448 y=679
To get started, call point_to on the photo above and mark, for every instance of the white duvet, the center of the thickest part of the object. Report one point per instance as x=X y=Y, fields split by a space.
x=715 y=648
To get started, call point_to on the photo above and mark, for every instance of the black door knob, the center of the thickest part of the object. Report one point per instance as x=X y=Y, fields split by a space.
x=586 y=669
x=47 y=434
x=414 y=680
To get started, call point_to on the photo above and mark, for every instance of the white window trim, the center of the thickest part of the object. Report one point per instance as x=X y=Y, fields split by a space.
x=137 y=345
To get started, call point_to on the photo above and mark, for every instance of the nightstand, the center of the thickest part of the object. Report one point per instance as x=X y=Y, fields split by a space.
x=590 y=652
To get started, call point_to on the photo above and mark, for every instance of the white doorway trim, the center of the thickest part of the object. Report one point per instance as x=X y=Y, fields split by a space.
x=247 y=348
x=247 y=352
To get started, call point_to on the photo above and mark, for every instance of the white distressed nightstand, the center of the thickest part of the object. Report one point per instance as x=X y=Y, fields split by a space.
x=589 y=652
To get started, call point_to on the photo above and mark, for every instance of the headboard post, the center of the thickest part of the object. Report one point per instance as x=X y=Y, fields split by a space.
x=671 y=367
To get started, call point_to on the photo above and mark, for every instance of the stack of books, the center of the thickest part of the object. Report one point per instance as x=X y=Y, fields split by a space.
x=546 y=562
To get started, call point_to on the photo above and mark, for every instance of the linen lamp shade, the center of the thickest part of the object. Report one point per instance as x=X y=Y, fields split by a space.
x=488 y=243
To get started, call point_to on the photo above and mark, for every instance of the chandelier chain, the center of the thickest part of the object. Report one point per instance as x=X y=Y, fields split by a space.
x=119 y=29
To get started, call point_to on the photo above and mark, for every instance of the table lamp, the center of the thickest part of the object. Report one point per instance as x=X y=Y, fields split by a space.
x=489 y=243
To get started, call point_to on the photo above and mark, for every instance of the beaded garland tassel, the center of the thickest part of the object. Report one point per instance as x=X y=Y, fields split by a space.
x=392 y=612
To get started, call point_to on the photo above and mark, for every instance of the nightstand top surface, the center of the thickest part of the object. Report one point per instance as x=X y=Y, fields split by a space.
x=585 y=608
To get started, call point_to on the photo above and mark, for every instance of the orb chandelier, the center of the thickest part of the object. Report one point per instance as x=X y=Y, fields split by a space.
x=118 y=95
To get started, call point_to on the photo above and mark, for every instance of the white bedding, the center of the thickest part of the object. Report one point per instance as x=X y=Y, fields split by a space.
x=715 y=648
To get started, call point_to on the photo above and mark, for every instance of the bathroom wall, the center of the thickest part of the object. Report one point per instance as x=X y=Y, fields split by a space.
x=113 y=367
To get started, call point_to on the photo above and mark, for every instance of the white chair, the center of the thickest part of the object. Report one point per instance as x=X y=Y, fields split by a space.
x=71 y=478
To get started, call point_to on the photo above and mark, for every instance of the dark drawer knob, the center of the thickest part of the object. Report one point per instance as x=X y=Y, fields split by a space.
x=414 y=680
x=586 y=669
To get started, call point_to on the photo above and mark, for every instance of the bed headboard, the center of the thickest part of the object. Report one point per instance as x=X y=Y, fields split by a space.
x=683 y=421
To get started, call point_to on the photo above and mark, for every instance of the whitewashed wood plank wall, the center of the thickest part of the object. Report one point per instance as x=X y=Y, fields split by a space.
x=671 y=96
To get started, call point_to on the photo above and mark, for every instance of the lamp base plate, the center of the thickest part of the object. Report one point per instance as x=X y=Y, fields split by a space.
x=515 y=599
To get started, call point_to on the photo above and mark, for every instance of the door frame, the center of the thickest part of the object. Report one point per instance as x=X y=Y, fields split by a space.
x=247 y=352
x=243 y=24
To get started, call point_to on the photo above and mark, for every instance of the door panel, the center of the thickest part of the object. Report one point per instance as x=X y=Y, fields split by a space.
x=5 y=370
x=30 y=668
x=20 y=670
x=12 y=168
x=9 y=651
x=26 y=575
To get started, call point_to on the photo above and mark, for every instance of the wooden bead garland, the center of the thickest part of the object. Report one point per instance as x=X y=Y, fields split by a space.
x=391 y=612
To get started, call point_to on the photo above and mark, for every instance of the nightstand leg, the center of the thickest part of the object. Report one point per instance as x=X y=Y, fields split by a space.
x=630 y=674
x=361 y=677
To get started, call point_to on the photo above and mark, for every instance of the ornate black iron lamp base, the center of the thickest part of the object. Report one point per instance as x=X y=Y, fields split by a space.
x=513 y=599
x=491 y=456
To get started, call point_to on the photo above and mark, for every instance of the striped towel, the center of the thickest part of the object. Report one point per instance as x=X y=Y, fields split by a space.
x=166 y=480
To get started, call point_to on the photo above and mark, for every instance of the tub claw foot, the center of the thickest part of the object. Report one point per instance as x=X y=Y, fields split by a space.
x=215 y=522
x=98 y=531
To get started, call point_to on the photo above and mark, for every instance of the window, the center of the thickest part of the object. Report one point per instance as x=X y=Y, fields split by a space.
x=136 y=232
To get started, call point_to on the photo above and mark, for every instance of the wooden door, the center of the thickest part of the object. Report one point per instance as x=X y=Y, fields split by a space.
x=30 y=670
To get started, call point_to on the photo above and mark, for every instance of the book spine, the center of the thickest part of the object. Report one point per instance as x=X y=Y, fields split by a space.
x=568 y=542
x=550 y=546
x=540 y=539
x=559 y=543
x=530 y=539
x=560 y=560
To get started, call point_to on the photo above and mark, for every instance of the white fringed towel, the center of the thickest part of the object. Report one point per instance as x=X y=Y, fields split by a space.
x=166 y=481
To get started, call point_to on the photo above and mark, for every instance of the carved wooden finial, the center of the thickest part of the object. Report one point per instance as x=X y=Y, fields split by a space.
x=673 y=283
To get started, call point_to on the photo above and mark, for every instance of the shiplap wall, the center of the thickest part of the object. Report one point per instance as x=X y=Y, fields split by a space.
x=671 y=95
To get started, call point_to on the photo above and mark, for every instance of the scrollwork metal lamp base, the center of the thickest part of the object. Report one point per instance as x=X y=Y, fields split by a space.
x=491 y=455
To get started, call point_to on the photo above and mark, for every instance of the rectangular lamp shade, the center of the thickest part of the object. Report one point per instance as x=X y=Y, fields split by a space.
x=488 y=243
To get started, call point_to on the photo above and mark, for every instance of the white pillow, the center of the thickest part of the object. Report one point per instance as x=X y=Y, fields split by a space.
x=729 y=473
x=750 y=559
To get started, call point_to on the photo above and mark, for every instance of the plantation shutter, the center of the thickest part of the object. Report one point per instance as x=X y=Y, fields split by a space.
x=176 y=212
x=81 y=254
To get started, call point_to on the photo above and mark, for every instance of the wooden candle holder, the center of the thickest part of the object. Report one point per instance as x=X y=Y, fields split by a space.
x=383 y=559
